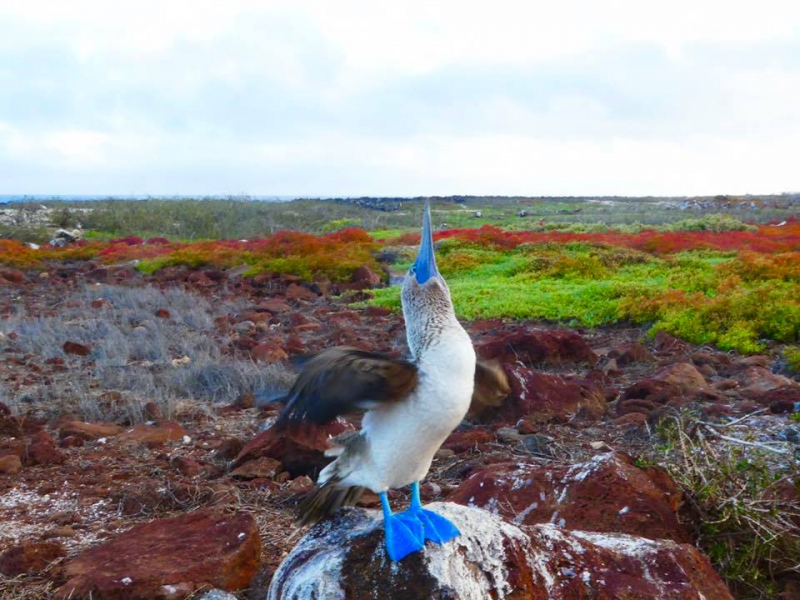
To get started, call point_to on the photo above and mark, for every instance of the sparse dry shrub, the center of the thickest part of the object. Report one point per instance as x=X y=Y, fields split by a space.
x=741 y=500
x=132 y=353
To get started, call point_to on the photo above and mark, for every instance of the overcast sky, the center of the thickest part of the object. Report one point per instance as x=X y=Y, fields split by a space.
x=399 y=98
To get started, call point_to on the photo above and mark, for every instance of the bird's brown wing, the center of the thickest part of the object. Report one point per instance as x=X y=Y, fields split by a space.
x=343 y=380
x=491 y=386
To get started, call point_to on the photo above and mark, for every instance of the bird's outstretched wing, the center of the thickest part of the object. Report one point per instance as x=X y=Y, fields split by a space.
x=343 y=380
x=491 y=385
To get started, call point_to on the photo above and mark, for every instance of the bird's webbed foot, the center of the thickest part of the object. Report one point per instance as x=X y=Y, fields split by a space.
x=403 y=535
x=435 y=527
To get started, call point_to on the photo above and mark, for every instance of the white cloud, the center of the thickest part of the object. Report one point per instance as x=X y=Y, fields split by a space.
x=380 y=97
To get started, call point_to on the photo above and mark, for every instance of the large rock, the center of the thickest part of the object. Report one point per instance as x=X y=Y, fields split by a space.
x=301 y=449
x=535 y=347
x=344 y=558
x=168 y=558
x=543 y=397
x=29 y=557
x=608 y=493
x=673 y=385
x=88 y=431
x=153 y=434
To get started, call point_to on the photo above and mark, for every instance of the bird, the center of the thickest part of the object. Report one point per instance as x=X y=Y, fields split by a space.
x=412 y=405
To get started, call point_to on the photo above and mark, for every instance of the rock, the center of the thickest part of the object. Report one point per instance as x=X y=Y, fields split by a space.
x=608 y=493
x=88 y=431
x=187 y=466
x=756 y=382
x=10 y=464
x=267 y=352
x=62 y=237
x=462 y=441
x=301 y=450
x=664 y=342
x=76 y=349
x=274 y=305
x=367 y=276
x=29 y=558
x=163 y=313
x=154 y=434
x=534 y=347
x=10 y=425
x=168 y=558
x=12 y=275
x=675 y=384
x=298 y=292
x=42 y=451
x=228 y=448
x=260 y=468
x=631 y=353
x=344 y=558
x=542 y=397
x=301 y=485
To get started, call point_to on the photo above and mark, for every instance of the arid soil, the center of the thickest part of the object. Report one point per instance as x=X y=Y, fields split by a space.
x=92 y=460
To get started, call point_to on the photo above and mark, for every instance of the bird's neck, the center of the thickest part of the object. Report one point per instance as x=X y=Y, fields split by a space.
x=427 y=330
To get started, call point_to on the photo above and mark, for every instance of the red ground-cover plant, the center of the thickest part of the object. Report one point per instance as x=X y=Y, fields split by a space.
x=766 y=239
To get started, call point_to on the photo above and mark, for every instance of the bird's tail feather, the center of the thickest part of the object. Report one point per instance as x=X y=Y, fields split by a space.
x=325 y=500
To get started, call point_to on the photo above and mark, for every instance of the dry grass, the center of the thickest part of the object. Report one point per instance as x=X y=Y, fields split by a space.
x=742 y=501
x=132 y=352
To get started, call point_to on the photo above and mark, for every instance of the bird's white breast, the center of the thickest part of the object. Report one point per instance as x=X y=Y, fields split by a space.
x=404 y=436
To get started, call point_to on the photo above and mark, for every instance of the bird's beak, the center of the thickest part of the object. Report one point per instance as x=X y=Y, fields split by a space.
x=425 y=265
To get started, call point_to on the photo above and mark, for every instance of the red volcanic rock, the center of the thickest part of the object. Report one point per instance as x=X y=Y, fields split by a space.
x=268 y=352
x=608 y=493
x=631 y=353
x=163 y=313
x=260 y=468
x=9 y=424
x=783 y=400
x=365 y=275
x=298 y=292
x=492 y=559
x=42 y=451
x=12 y=275
x=76 y=349
x=300 y=449
x=757 y=382
x=228 y=448
x=377 y=311
x=274 y=305
x=100 y=303
x=461 y=441
x=664 y=342
x=532 y=347
x=29 y=558
x=10 y=464
x=168 y=558
x=157 y=433
x=542 y=397
x=88 y=431
x=674 y=385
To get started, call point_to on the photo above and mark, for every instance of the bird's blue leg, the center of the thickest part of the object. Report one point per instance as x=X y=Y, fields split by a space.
x=436 y=528
x=403 y=536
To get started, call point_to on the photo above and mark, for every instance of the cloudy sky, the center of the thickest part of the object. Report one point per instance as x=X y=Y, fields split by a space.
x=399 y=98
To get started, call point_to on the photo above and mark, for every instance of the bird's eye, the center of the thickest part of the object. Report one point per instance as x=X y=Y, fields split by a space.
x=413 y=269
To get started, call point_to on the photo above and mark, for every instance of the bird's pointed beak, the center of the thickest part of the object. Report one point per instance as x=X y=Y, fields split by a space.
x=425 y=265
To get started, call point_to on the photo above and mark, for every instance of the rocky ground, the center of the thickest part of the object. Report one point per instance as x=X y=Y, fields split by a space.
x=147 y=469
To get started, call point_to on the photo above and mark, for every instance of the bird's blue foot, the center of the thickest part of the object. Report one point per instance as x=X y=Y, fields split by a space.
x=403 y=535
x=435 y=527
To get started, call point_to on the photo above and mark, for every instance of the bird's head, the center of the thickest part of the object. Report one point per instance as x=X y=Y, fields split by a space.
x=424 y=289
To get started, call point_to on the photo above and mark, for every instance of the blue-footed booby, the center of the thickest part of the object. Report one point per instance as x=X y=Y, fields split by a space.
x=411 y=407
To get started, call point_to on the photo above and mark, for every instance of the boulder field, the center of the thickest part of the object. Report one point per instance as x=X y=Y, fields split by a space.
x=553 y=485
